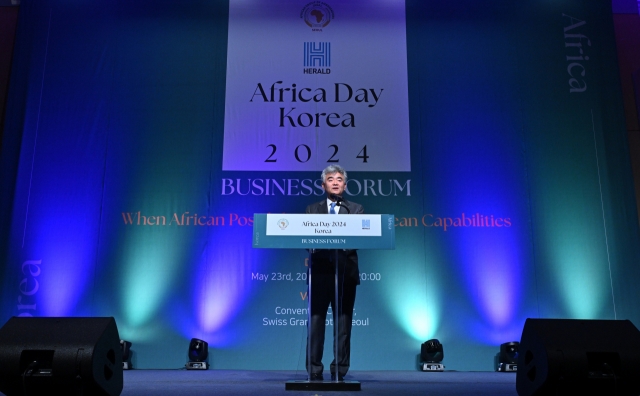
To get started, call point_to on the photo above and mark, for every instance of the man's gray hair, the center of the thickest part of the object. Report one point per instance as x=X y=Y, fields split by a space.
x=331 y=169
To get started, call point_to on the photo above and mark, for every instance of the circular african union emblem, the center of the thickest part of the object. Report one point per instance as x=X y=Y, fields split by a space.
x=283 y=223
x=317 y=14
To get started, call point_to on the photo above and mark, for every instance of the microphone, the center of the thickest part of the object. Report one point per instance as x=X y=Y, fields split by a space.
x=340 y=201
x=337 y=198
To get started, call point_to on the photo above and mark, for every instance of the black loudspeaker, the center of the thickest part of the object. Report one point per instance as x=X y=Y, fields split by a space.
x=64 y=356
x=578 y=357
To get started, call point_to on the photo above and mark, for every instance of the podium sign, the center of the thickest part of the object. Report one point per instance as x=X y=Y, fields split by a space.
x=323 y=231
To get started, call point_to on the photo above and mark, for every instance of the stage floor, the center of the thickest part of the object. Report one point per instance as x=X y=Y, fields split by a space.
x=240 y=382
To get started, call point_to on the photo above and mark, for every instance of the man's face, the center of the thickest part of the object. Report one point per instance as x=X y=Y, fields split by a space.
x=334 y=183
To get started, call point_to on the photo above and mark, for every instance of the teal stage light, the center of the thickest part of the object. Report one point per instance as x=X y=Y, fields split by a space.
x=125 y=346
x=431 y=355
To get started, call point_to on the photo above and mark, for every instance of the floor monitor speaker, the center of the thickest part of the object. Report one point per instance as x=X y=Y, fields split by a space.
x=574 y=357
x=64 y=356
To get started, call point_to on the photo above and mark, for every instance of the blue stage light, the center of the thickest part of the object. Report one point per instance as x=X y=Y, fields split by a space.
x=198 y=354
x=508 y=358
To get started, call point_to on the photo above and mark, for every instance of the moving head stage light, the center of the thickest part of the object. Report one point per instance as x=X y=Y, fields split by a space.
x=431 y=354
x=508 y=358
x=198 y=354
x=126 y=354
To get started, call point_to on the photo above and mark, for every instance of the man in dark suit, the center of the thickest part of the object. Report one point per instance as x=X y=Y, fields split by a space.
x=323 y=270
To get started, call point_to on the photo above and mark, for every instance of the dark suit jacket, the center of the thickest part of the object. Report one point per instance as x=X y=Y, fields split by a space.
x=322 y=259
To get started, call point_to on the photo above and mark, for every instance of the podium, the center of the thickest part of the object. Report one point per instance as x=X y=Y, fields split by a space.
x=323 y=231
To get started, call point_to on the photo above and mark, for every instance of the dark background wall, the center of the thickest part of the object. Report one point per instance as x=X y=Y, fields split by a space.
x=112 y=115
